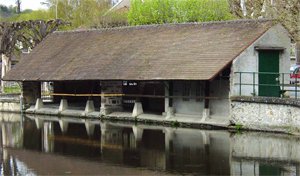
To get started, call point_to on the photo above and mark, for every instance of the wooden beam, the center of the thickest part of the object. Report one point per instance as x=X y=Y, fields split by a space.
x=130 y=95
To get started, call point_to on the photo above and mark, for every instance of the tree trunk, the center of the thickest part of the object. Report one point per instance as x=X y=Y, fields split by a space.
x=6 y=66
x=297 y=52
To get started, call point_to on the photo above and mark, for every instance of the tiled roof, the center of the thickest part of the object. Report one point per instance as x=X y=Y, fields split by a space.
x=191 y=51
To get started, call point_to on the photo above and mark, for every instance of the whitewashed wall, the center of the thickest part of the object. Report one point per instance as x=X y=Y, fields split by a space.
x=247 y=61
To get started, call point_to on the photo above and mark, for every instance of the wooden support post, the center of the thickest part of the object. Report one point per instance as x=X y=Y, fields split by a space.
x=206 y=92
x=170 y=93
x=206 y=111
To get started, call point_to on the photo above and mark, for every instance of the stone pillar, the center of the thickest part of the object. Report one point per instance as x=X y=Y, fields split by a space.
x=206 y=111
x=63 y=105
x=89 y=107
x=169 y=110
x=39 y=104
x=31 y=92
x=113 y=103
x=206 y=114
x=137 y=109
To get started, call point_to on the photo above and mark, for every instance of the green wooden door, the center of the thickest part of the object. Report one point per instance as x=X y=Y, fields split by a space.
x=268 y=83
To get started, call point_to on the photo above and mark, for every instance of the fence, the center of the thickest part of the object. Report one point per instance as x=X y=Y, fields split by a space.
x=288 y=85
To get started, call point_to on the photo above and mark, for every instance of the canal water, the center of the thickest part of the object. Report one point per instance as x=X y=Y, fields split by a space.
x=39 y=145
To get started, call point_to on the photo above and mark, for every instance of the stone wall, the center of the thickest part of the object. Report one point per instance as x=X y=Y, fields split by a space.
x=263 y=113
x=113 y=103
x=10 y=103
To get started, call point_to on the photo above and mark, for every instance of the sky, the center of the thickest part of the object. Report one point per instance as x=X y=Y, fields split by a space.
x=25 y=4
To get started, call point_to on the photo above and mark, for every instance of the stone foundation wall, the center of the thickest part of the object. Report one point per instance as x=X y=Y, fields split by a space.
x=10 y=107
x=271 y=114
x=10 y=103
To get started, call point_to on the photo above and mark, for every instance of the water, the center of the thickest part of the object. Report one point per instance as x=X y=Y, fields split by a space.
x=40 y=145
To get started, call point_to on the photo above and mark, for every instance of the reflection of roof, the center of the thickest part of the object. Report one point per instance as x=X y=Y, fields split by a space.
x=193 y=51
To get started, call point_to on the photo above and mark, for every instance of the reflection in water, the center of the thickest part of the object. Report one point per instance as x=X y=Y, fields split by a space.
x=52 y=145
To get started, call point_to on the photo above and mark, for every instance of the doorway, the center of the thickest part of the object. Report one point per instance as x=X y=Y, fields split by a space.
x=268 y=76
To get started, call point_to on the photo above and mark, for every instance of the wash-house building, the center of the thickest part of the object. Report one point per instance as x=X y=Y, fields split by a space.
x=172 y=70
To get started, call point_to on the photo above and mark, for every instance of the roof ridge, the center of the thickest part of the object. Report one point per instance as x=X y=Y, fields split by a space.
x=166 y=24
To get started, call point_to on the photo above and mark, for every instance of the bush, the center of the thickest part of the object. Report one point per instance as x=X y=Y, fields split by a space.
x=177 y=11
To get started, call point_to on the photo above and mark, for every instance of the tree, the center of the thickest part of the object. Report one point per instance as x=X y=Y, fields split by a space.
x=15 y=36
x=7 y=11
x=177 y=11
x=287 y=12
x=18 y=3
x=85 y=13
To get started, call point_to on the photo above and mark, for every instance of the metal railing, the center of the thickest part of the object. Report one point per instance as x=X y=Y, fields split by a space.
x=289 y=87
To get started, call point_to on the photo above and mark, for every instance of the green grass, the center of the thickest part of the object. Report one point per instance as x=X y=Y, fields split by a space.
x=14 y=89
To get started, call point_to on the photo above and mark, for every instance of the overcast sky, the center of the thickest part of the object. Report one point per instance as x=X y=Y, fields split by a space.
x=25 y=4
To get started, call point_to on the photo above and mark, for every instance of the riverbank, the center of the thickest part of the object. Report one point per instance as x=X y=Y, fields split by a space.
x=246 y=113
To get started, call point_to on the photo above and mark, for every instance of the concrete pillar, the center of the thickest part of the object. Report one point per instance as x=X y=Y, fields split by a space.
x=206 y=114
x=137 y=109
x=63 y=125
x=31 y=91
x=112 y=103
x=90 y=128
x=39 y=104
x=89 y=107
x=39 y=123
x=170 y=113
x=63 y=105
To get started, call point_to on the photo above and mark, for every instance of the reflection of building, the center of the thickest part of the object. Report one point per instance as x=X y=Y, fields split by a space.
x=158 y=148
x=264 y=154
x=11 y=130
x=163 y=149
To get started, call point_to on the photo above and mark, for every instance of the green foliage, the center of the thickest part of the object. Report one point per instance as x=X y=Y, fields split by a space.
x=80 y=13
x=32 y=15
x=7 y=11
x=13 y=89
x=177 y=11
x=86 y=13
x=175 y=124
x=238 y=127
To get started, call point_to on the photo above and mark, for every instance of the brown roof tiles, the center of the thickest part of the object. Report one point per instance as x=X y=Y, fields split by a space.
x=191 y=51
